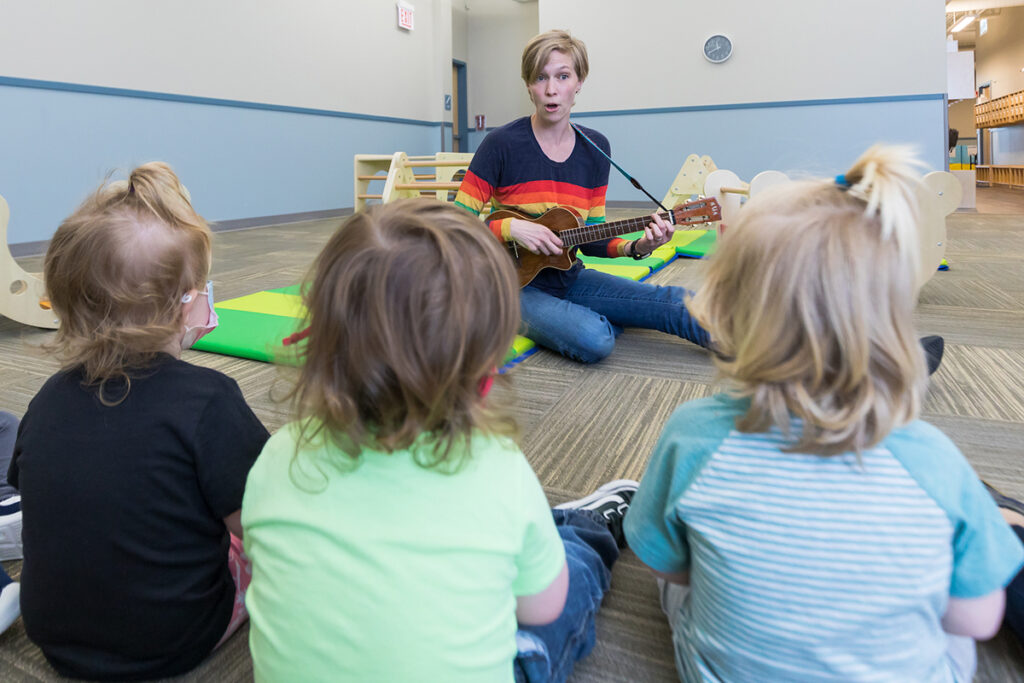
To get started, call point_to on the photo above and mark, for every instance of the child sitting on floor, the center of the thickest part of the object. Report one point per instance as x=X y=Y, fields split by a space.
x=131 y=462
x=396 y=531
x=807 y=525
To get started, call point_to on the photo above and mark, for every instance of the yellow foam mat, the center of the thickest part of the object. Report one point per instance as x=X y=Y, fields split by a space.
x=665 y=252
x=521 y=345
x=683 y=237
x=271 y=303
x=629 y=272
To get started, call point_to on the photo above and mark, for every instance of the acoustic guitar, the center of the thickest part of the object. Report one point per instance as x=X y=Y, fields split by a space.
x=569 y=226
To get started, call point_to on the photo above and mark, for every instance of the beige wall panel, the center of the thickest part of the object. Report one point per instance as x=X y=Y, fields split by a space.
x=999 y=54
x=341 y=55
x=498 y=31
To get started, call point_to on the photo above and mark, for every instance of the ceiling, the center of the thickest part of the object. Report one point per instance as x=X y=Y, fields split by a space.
x=980 y=9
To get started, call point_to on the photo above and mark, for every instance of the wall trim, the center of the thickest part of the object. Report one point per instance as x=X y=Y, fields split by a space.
x=193 y=99
x=765 y=105
x=27 y=249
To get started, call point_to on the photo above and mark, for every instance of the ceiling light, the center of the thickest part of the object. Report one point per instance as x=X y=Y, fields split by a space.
x=962 y=24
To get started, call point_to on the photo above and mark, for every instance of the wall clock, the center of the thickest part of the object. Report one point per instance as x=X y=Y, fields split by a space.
x=717 y=48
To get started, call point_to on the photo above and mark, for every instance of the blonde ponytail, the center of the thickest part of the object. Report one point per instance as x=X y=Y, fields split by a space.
x=884 y=178
x=809 y=300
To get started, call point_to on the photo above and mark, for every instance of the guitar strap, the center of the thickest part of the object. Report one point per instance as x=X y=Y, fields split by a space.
x=628 y=177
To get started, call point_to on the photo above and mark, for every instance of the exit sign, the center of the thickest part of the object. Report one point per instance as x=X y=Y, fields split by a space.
x=405 y=11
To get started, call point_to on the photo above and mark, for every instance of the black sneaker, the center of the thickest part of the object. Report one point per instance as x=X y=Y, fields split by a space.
x=1004 y=501
x=610 y=501
x=933 y=346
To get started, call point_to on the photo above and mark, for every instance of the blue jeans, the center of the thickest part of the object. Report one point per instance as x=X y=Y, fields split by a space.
x=548 y=653
x=583 y=325
x=8 y=431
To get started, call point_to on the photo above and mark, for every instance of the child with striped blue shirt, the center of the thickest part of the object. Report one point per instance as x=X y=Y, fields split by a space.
x=807 y=526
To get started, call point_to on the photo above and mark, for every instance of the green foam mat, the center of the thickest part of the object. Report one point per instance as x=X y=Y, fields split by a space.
x=700 y=247
x=254 y=326
x=259 y=336
x=248 y=334
x=653 y=262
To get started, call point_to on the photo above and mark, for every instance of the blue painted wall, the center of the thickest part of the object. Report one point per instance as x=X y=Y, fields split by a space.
x=243 y=161
x=799 y=138
x=238 y=160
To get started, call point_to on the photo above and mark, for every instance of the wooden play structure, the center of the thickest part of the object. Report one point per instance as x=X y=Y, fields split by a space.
x=437 y=175
x=23 y=295
x=689 y=182
x=939 y=195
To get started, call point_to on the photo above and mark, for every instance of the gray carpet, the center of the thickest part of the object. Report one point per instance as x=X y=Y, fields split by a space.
x=585 y=425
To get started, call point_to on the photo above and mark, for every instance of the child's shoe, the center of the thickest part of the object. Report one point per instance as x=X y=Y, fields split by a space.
x=10 y=604
x=611 y=501
x=933 y=346
x=10 y=528
x=1004 y=501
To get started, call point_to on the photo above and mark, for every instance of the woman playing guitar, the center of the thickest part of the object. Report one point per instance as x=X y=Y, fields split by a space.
x=538 y=162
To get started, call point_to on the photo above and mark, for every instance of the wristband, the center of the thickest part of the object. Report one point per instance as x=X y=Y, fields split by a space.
x=636 y=256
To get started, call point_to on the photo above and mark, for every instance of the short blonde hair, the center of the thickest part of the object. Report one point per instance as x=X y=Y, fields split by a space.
x=809 y=301
x=411 y=305
x=116 y=270
x=540 y=47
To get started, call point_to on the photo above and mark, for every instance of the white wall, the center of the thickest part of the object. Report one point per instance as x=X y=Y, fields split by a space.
x=90 y=87
x=810 y=85
x=497 y=32
x=648 y=54
x=340 y=55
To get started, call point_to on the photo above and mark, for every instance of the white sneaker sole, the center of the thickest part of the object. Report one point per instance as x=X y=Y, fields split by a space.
x=10 y=537
x=10 y=605
x=601 y=493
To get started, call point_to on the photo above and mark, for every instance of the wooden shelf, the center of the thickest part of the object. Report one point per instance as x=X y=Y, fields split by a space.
x=1002 y=111
x=1012 y=176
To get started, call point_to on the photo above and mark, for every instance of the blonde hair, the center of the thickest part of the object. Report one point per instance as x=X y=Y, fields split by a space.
x=540 y=47
x=411 y=305
x=116 y=270
x=809 y=301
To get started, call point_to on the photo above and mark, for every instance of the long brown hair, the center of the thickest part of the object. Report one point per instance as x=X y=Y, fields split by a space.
x=809 y=302
x=411 y=305
x=116 y=270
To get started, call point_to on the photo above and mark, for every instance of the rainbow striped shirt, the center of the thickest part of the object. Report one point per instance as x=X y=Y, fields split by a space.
x=512 y=172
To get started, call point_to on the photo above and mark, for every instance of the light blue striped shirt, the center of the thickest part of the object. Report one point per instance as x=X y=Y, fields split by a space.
x=811 y=568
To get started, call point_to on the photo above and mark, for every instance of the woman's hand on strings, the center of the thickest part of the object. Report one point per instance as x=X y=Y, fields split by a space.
x=535 y=237
x=658 y=232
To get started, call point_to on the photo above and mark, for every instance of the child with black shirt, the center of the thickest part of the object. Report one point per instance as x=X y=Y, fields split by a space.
x=131 y=463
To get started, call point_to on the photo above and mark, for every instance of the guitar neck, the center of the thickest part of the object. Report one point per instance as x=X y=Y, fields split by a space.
x=602 y=231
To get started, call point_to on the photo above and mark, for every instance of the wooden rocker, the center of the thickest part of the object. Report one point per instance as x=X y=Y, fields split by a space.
x=938 y=196
x=23 y=295
x=730 y=191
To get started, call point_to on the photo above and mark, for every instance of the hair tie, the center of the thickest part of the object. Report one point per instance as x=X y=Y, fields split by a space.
x=842 y=182
x=295 y=338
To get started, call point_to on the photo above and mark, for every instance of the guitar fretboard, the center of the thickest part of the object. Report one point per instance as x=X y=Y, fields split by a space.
x=572 y=237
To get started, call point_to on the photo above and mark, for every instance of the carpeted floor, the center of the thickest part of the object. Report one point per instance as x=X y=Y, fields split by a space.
x=583 y=425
